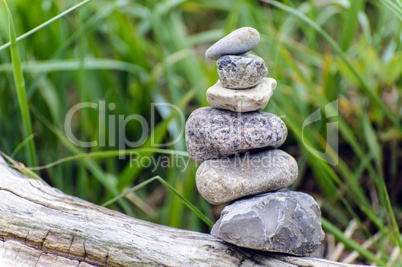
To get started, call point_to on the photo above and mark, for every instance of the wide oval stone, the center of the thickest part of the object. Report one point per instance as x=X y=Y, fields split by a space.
x=214 y=133
x=237 y=42
x=226 y=179
x=252 y=99
x=239 y=72
x=285 y=222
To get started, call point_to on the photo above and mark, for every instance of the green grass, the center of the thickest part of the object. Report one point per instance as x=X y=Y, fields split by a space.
x=135 y=53
x=20 y=89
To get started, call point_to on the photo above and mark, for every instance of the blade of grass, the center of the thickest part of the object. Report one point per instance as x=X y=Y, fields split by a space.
x=20 y=88
x=20 y=145
x=350 y=24
x=395 y=226
x=171 y=189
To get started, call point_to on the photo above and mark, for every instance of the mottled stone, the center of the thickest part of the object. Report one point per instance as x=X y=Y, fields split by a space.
x=214 y=133
x=230 y=178
x=252 y=99
x=237 y=42
x=286 y=222
x=240 y=72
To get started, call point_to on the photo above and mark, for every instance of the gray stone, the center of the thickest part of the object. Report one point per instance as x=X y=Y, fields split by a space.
x=286 y=222
x=237 y=42
x=239 y=72
x=214 y=133
x=226 y=179
x=252 y=99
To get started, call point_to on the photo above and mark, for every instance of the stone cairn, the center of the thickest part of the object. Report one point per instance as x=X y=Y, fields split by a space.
x=235 y=145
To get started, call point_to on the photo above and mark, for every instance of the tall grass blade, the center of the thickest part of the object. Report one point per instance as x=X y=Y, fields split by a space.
x=392 y=214
x=20 y=88
x=350 y=24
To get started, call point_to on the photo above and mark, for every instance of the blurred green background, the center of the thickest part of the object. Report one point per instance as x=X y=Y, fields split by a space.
x=135 y=53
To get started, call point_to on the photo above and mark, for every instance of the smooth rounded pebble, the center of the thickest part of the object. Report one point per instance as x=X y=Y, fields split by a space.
x=252 y=99
x=226 y=179
x=237 y=42
x=285 y=222
x=214 y=133
x=240 y=72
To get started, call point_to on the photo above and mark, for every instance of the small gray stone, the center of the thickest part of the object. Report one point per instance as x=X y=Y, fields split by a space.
x=252 y=99
x=240 y=72
x=286 y=222
x=214 y=133
x=226 y=179
x=237 y=42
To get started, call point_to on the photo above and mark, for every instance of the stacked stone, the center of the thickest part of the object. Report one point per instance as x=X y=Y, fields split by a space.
x=235 y=145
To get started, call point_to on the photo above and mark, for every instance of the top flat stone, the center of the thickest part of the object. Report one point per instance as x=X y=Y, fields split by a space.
x=237 y=42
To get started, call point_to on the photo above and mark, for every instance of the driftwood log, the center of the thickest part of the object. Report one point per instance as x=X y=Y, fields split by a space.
x=41 y=226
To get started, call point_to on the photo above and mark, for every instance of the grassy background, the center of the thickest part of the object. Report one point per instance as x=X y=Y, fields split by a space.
x=135 y=53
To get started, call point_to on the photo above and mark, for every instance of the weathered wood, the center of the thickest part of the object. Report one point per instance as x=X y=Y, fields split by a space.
x=41 y=226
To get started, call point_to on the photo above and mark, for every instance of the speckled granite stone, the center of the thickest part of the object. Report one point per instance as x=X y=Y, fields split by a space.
x=237 y=42
x=240 y=72
x=286 y=222
x=214 y=133
x=226 y=179
x=252 y=99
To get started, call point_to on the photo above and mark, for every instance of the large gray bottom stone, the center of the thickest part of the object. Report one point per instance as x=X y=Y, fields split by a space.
x=286 y=222
x=235 y=43
x=230 y=178
x=245 y=100
x=240 y=72
x=214 y=133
